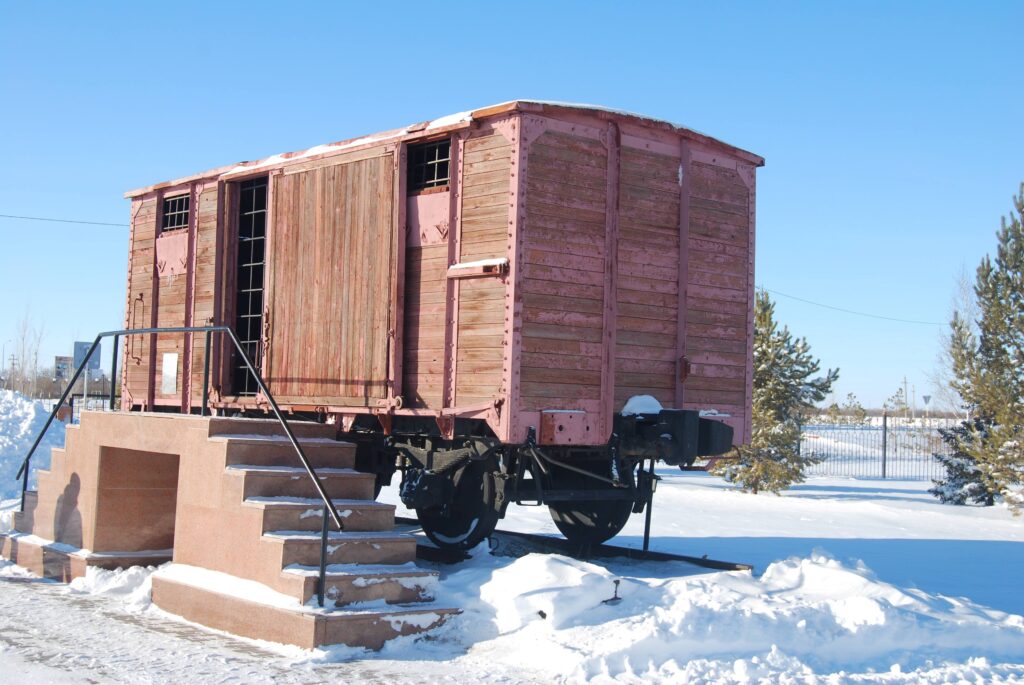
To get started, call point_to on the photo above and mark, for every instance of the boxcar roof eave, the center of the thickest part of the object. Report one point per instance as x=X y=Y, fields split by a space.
x=441 y=125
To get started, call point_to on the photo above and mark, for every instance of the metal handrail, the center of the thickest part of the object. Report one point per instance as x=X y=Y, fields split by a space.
x=24 y=470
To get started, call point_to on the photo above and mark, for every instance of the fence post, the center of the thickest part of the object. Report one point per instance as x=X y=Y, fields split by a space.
x=885 y=426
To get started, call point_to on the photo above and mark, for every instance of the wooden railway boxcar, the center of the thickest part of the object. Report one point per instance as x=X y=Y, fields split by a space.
x=472 y=300
x=526 y=265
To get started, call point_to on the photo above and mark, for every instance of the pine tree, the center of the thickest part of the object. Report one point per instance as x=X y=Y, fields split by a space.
x=897 y=404
x=784 y=392
x=963 y=481
x=988 y=366
x=853 y=410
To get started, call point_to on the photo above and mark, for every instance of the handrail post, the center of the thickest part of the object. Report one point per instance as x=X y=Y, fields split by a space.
x=113 y=373
x=206 y=375
x=321 y=586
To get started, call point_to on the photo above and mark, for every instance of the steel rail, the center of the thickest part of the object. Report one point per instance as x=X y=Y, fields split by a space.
x=569 y=548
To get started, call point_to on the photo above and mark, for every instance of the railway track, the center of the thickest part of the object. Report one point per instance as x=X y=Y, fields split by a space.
x=514 y=544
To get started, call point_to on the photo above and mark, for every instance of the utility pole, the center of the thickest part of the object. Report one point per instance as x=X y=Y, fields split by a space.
x=906 y=397
x=3 y=354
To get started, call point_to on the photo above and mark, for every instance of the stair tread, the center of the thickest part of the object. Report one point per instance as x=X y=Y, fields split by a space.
x=247 y=590
x=409 y=569
x=296 y=470
x=339 y=535
x=263 y=439
x=286 y=502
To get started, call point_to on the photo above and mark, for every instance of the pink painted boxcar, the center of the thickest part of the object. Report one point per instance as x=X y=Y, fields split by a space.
x=473 y=300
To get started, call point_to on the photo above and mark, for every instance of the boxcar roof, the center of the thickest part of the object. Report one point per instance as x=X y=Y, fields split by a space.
x=452 y=122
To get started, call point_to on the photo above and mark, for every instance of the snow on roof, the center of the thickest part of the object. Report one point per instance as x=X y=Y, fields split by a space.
x=450 y=121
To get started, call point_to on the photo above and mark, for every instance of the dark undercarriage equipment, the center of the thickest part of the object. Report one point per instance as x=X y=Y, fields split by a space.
x=460 y=488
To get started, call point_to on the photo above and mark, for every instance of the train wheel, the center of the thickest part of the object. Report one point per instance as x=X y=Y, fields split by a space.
x=588 y=522
x=469 y=517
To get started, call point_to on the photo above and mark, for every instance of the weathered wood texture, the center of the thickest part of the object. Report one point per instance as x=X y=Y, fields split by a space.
x=136 y=354
x=563 y=273
x=484 y=189
x=204 y=306
x=717 y=302
x=423 y=365
x=170 y=311
x=647 y=297
x=332 y=261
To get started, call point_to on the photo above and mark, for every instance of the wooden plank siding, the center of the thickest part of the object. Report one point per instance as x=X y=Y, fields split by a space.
x=170 y=311
x=717 y=304
x=136 y=355
x=425 y=312
x=484 y=189
x=563 y=273
x=630 y=246
x=204 y=306
x=647 y=293
x=332 y=260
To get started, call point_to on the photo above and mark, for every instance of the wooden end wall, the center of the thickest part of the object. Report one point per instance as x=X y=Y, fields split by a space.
x=638 y=212
x=719 y=316
x=563 y=272
x=647 y=292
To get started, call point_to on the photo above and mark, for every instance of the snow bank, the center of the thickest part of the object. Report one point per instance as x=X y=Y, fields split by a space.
x=131 y=586
x=21 y=420
x=803 y=618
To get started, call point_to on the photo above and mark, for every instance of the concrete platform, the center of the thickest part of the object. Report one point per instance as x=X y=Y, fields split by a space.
x=229 y=499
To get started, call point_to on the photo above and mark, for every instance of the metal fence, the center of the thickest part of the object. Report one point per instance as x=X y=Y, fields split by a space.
x=882 y=447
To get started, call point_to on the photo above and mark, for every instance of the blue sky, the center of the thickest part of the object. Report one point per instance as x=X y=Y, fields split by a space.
x=892 y=131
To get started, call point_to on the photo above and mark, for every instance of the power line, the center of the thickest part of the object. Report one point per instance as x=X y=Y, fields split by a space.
x=774 y=292
x=850 y=311
x=60 y=221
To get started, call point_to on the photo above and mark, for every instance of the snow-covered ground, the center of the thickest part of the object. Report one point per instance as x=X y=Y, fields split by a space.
x=854 y=581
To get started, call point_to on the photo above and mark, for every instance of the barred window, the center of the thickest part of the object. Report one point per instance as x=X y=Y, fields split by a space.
x=428 y=165
x=176 y=212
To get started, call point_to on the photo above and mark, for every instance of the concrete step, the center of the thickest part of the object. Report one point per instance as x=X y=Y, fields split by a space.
x=358 y=583
x=355 y=547
x=278 y=451
x=220 y=425
x=294 y=481
x=305 y=514
x=252 y=610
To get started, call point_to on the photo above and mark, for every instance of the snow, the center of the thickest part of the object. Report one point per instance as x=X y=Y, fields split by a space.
x=641 y=404
x=855 y=581
x=21 y=420
x=860 y=581
x=497 y=261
